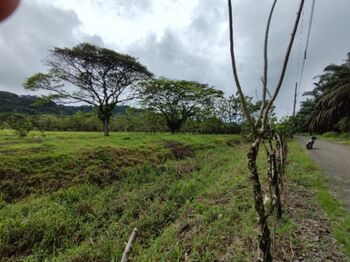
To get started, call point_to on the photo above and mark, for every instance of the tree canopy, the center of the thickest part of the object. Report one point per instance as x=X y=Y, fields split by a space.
x=329 y=101
x=177 y=100
x=90 y=74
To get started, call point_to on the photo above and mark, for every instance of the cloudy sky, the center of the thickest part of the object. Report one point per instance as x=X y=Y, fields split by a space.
x=181 y=39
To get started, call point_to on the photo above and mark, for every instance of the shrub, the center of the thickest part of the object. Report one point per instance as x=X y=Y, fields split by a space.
x=344 y=124
x=21 y=124
x=331 y=134
x=345 y=135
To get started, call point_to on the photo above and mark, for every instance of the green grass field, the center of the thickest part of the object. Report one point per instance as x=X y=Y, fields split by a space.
x=77 y=197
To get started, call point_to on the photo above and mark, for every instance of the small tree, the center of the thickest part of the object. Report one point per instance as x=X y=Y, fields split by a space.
x=177 y=100
x=89 y=74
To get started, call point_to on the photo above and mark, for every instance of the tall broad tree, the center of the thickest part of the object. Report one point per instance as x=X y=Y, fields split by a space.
x=177 y=100
x=90 y=74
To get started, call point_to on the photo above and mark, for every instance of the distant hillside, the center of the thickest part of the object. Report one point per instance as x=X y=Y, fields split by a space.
x=12 y=103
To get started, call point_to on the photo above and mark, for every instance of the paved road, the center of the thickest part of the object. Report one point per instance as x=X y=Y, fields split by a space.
x=335 y=160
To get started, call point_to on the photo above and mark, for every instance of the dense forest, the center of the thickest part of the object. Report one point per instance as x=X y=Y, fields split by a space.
x=29 y=104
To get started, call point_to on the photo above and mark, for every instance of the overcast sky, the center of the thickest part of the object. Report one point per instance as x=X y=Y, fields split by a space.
x=182 y=39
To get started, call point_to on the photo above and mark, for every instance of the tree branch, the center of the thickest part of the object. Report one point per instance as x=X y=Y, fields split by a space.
x=234 y=70
x=285 y=64
x=128 y=247
x=266 y=64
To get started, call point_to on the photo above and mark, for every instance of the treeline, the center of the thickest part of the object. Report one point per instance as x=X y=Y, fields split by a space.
x=133 y=120
x=220 y=116
x=34 y=105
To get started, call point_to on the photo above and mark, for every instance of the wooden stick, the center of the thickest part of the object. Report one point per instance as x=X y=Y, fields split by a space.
x=129 y=245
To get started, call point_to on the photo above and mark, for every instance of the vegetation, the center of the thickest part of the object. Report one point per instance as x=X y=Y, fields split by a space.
x=344 y=124
x=327 y=108
x=178 y=100
x=343 y=138
x=133 y=120
x=78 y=196
x=48 y=164
x=27 y=104
x=80 y=218
x=304 y=171
x=90 y=74
x=21 y=124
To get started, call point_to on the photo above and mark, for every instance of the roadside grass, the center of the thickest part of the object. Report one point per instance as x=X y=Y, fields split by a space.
x=343 y=138
x=303 y=171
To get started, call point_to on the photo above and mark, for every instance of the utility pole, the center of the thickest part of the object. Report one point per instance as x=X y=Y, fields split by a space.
x=295 y=98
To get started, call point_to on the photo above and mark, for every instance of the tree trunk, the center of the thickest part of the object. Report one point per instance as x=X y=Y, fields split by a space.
x=264 y=238
x=106 y=126
x=274 y=174
x=174 y=125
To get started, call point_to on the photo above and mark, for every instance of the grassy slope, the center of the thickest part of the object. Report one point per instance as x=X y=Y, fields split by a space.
x=88 y=222
x=199 y=206
x=62 y=159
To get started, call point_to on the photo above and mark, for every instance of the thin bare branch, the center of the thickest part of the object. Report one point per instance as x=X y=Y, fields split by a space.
x=235 y=73
x=285 y=63
x=266 y=63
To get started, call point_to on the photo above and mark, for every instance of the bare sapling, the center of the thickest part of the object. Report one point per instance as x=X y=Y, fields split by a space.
x=259 y=128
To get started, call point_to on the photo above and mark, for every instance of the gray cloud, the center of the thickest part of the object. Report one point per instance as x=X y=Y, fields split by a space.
x=201 y=52
x=170 y=57
x=198 y=52
x=133 y=8
x=127 y=9
x=28 y=34
x=328 y=44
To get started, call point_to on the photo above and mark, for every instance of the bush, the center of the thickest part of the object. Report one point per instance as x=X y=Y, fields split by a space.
x=331 y=134
x=21 y=124
x=345 y=135
x=344 y=124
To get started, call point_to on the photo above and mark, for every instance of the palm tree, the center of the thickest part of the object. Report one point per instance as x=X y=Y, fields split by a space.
x=332 y=101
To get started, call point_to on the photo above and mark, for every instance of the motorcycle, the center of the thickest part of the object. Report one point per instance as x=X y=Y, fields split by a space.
x=311 y=142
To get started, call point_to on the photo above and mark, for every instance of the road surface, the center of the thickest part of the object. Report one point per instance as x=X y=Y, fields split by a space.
x=335 y=160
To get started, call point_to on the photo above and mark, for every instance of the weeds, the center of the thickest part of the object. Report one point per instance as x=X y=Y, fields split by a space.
x=81 y=203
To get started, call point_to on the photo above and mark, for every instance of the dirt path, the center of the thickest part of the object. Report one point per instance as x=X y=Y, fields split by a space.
x=335 y=160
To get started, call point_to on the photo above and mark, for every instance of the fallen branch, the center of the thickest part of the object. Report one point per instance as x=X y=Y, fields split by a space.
x=129 y=245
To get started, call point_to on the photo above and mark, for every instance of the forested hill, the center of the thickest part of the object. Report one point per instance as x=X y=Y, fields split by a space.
x=12 y=103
